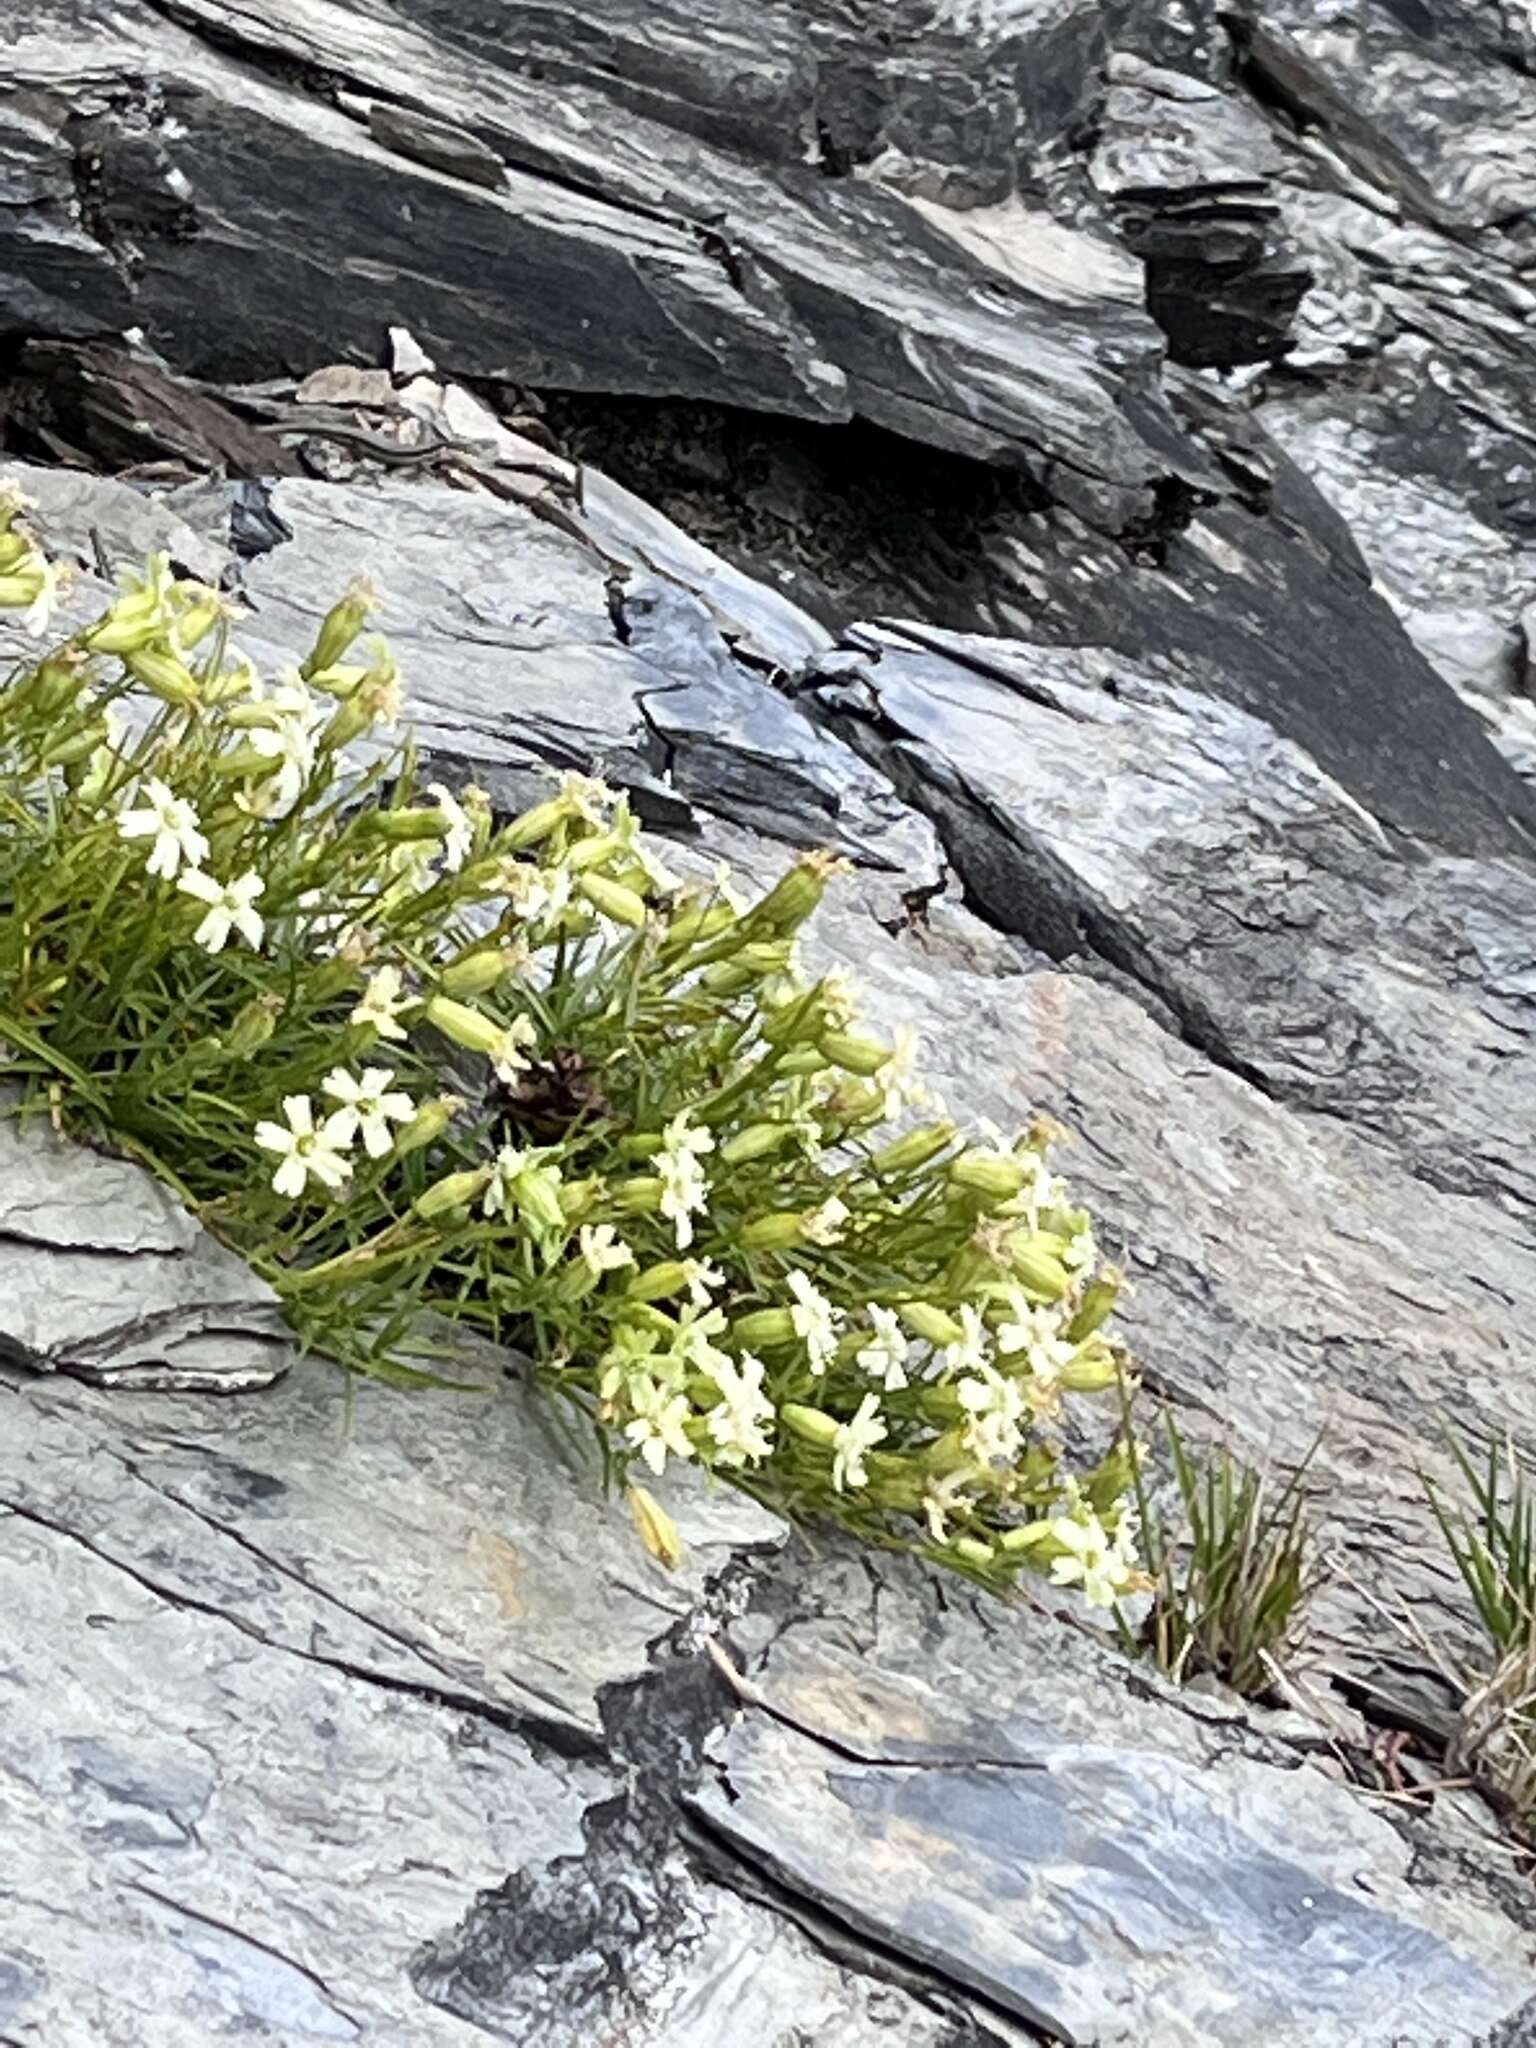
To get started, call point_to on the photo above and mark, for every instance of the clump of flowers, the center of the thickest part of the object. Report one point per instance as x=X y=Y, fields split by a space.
x=239 y=943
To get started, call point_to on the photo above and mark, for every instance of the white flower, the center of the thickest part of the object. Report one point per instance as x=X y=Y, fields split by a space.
x=1042 y=1190
x=840 y=997
x=508 y=1057
x=736 y=1423
x=603 y=1250
x=459 y=842
x=897 y=1079
x=173 y=821
x=994 y=1406
x=369 y=1105
x=970 y=1354
x=307 y=1154
x=684 y=1184
x=53 y=579
x=585 y=797
x=824 y=1224
x=524 y=886
x=657 y=1423
x=382 y=1003
x=700 y=1276
x=1082 y=1251
x=859 y=1434
x=944 y=1498
x=1091 y=1560
x=1037 y=1332
x=884 y=1358
x=229 y=907
x=500 y=1196
x=816 y=1321
x=288 y=743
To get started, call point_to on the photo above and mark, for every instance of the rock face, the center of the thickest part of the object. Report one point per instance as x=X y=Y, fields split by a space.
x=1110 y=426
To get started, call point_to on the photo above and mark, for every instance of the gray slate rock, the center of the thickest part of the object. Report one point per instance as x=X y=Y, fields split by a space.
x=104 y=1275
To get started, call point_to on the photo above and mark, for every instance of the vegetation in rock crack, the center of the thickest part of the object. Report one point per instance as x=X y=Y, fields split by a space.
x=1493 y=1545
x=1229 y=1586
x=240 y=943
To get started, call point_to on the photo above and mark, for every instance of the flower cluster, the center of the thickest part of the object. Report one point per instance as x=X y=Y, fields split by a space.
x=716 y=1210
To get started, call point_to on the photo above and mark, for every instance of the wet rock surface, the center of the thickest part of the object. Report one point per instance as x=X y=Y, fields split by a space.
x=1077 y=461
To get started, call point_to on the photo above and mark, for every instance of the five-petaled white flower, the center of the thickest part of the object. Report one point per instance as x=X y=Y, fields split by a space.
x=368 y=1104
x=735 y=1423
x=602 y=1249
x=816 y=1321
x=858 y=1435
x=1037 y=1332
x=699 y=1276
x=1090 y=1559
x=994 y=1406
x=945 y=1497
x=508 y=1057
x=884 y=1357
x=382 y=1003
x=684 y=1185
x=970 y=1354
x=459 y=840
x=230 y=908
x=824 y=1224
x=656 y=1422
x=307 y=1154
x=172 y=822
x=53 y=579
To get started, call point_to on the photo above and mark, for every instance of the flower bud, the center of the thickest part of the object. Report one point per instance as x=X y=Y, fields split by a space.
x=592 y=851
x=930 y=1324
x=856 y=1054
x=727 y=978
x=915 y=1150
x=169 y=679
x=811 y=1425
x=405 y=827
x=340 y=627
x=775 y=1232
x=474 y=974
x=973 y=1550
x=693 y=925
x=1034 y=1263
x=201 y=615
x=1097 y=1304
x=659 y=1283
x=533 y=826
x=465 y=1026
x=428 y=1124
x=578 y=1196
x=132 y=623
x=796 y=897
x=761 y=1328
x=1091 y=1371
x=78 y=748
x=755 y=1142
x=253 y=1026
x=987 y=1173
x=613 y=899
x=658 y=1531
x=348 y=722
x=454 y=1191
x=802 y=1059
x=1029 y=1536
x=640 y=1196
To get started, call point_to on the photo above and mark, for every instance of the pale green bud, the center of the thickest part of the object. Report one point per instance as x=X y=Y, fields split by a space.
x=405 y=827
x=761 y=1328
x=169 y=679
x=772 y=1233
x=613 y=899
x=340 y=627
x=987 y=1173
x=474 y=974
x=755 y=1142
x=253 y=1026
x=465 y=1026
x=1097 y=1304
x=455 y=1191
x=659 y=1283
x=915 y=1150
x=856 y=1054
x=640 y=1196
x=930 y=1324
x=811 y=1425
x=658 y=1531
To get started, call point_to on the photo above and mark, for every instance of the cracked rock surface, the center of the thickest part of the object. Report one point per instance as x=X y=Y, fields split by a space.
x=1076 y=460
